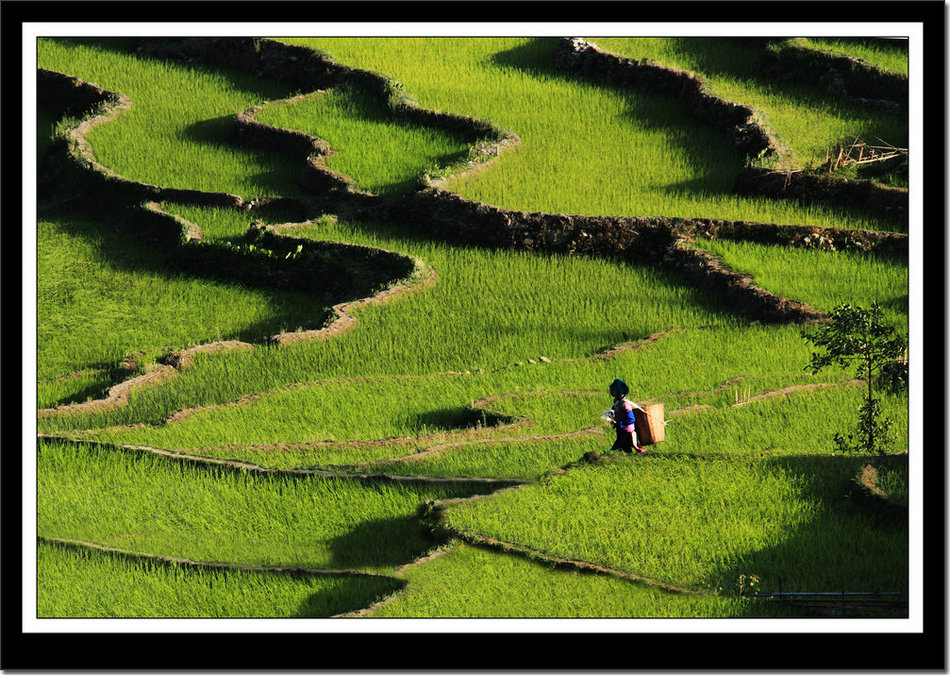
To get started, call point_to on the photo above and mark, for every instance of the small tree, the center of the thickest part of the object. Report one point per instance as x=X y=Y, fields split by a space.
x=859 y=336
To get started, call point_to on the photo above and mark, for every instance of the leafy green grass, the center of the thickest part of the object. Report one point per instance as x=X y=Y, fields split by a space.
x=807 y=118
x=134 y=301
x=143 y=503
x=487 y=310
x=799 y=422
x=179 y=122
x=584 y=146
x=75 y=387
x=382 y=155
x=887 y=54
x=693 y=522
x=88 y=584
x=822 y=279
x=781 y=515
x=469 y=582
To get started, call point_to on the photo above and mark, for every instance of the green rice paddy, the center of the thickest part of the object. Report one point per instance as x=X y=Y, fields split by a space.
x=495 y=368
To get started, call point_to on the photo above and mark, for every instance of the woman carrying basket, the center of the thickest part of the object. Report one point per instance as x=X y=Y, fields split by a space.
x=623 y=418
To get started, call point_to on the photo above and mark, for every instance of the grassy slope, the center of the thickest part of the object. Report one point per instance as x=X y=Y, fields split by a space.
x=469 y=582
x=703 y=358
x=801 y=115
x=691 y=521
x=88 y=584
x=142 y=503
x=179 y=121
x=584 y=145
x=346 y=117
x=134 y=300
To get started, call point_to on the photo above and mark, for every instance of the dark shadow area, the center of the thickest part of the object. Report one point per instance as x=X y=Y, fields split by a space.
x=127 y=252
x=899 y=303
x=46 y=121
x=265 y=89
x=455 y=419
x=535 y=57
x=734 y=60
x=857 y=543
x=382 y=542
x=213 y=131
x=347 y=595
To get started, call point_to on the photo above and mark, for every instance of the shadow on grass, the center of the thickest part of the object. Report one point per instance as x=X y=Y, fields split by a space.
x=123 y=252
x=384 y=542
x=856 y=543
x=458 y=419
x=266 y=89
x=348 y=595
x=716 y=165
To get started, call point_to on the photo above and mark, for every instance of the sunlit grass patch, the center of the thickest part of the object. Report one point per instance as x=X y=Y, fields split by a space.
x=345 y=410
x=102 y=296
x=179 y=122
x=583 y=146
x=528 y=458
x=472 y=582
x=887 y=54
x=143 y=503
x=797 y=422
x=381 y=154
x=808 y=118
x=701 y=521
x=90 y=584
x=822 y=279
x=486 y=310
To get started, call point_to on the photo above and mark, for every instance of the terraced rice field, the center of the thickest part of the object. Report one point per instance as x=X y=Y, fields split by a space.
x=326 y=325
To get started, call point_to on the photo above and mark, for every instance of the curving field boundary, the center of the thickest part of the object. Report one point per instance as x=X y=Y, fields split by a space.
x=740 y=123
x=188 y=564
x=653 y=239
x=249 y=467
x=648 y=240
x=418 y=448
x=503 y=421
x=529 y=231
x=420 y=275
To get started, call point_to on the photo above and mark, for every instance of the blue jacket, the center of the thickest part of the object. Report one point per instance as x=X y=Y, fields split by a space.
x=623 y=413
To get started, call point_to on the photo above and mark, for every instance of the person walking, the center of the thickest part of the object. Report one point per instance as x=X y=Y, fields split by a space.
x=623 y=419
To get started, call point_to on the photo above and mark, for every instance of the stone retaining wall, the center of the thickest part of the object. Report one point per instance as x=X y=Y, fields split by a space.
x=821 y=188
x=589 y=61
x=850 y=76
x=453 y=218
x=799 y=236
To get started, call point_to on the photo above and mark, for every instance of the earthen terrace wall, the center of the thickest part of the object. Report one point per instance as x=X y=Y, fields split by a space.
x=587 y=60
x=454 y=218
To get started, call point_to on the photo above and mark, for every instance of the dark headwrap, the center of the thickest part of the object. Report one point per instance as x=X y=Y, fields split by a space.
x=620 y=387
